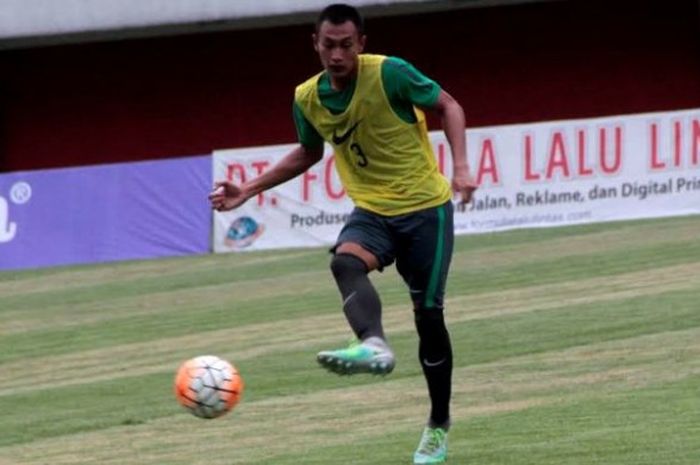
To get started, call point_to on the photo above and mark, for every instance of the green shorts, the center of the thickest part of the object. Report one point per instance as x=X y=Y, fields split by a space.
x=420 y=242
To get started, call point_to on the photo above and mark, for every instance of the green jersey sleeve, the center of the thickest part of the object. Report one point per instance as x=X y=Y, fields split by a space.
x=306 y=133
x=405 y=87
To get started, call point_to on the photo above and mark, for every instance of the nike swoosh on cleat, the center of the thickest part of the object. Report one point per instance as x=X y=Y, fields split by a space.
x=339 y=139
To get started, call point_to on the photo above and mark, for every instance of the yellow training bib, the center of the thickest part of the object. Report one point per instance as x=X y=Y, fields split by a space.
x=386 y=165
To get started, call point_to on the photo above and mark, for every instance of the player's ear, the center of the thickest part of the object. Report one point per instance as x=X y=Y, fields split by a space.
x=362 y=41
x=314 y=38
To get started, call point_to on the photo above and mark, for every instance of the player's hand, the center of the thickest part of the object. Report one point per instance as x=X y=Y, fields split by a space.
x=226 y=196
x=464 y=185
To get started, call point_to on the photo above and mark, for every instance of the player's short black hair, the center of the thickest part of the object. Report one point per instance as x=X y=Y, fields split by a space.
x=338 y=13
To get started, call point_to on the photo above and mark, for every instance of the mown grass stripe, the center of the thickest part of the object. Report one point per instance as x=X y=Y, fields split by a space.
x=319 y=300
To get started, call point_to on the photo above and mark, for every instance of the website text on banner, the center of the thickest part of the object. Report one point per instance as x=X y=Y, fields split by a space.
x=531 y=175
x=102 y=213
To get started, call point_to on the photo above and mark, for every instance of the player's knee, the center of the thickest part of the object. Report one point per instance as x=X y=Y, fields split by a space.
x=429 y=320
x=343 y=265
x=429 y=315
x=432 y=331
x=430 y=324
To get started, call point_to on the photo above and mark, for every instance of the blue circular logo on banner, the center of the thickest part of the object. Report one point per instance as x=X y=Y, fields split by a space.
x=242 y=232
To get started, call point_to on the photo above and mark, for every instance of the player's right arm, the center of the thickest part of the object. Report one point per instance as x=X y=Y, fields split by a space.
x=227 y=196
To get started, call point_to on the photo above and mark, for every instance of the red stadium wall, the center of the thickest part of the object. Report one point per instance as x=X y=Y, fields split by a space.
x=187 y=95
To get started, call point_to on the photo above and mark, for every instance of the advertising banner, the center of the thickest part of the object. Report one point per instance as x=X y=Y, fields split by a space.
x=530 y=175
x=103 y=213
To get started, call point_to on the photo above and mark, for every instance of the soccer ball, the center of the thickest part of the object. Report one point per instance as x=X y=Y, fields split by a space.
x=208 y=386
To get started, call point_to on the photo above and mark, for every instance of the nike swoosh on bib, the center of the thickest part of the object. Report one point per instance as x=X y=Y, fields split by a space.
x=339 y=139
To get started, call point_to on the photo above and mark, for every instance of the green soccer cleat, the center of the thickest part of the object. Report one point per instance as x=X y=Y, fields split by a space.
x=432 y=447
x=372 y=356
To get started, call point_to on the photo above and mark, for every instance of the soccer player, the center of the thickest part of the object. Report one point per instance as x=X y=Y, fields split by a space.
x=369 y=108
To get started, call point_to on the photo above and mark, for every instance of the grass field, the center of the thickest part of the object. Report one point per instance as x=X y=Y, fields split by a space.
x=572 y=346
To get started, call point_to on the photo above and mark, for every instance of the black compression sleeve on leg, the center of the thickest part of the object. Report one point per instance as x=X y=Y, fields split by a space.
x=361 y=303
x=435 y=352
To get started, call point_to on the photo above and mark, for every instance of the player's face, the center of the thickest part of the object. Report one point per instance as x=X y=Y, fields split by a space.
x=338 y=46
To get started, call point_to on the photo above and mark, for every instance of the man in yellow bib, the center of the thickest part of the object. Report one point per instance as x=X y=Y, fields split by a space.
x=368 y=107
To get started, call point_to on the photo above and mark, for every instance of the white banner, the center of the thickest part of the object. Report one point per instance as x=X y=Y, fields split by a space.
x=531 y=175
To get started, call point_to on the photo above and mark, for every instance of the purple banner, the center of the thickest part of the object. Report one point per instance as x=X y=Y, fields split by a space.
x=103 y=213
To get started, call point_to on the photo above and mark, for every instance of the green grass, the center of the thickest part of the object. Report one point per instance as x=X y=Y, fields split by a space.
x=576 y=345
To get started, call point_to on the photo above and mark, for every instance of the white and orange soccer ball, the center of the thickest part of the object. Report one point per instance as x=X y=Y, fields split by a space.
x=208 y=386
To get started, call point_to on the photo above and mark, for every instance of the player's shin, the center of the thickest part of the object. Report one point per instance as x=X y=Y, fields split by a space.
x=435 y=352
x=361 y=303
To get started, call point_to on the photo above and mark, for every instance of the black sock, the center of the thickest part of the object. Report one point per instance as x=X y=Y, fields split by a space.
x=435 y=352
x=361 y=303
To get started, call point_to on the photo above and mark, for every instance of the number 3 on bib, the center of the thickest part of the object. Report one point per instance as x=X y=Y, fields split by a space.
x=361 y=157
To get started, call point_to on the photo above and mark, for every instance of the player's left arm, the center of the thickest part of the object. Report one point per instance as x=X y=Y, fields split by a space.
x=453 y=123
x=407 y=84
